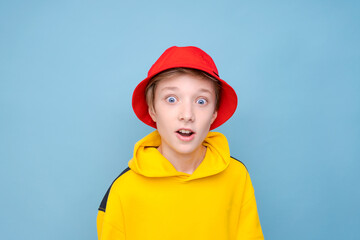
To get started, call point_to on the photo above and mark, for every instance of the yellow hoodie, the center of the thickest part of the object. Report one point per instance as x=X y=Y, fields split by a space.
x=151 y=200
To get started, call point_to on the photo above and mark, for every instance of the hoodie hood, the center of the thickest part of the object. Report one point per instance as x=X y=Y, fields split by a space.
x=149 y=162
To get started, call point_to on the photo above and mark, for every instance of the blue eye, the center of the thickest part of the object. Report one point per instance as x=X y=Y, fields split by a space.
x=171 y=99
x=201 y=101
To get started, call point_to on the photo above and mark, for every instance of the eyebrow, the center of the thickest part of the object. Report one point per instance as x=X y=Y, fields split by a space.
x=176 y=88
x=205 y=90
x=169 y=88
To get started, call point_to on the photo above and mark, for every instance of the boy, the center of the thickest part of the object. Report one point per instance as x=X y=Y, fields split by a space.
x=181 y=182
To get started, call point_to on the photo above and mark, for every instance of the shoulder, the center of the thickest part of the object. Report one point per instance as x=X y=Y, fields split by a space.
x=103 y=203
x=237 y=170
x=238 y=164
x=121 y=176
x=240 y=174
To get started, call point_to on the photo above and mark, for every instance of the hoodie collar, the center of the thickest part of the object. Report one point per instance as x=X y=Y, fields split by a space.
x=149 y=162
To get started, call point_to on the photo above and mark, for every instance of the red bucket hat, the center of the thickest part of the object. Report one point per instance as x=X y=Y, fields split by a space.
x=186 y=57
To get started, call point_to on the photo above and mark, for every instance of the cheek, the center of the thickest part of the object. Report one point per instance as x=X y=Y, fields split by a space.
x=206 y=119
x=164 y=117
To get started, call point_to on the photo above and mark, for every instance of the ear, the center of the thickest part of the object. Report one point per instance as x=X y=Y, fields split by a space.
x=152 y=113
x=213 y=117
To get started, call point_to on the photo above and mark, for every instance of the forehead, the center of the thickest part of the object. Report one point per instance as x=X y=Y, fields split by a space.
x=186 y=82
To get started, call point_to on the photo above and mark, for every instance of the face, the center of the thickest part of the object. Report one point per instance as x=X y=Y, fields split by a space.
x=184 y=109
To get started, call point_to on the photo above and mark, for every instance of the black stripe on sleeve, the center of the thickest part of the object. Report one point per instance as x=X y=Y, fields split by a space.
x=102 y=206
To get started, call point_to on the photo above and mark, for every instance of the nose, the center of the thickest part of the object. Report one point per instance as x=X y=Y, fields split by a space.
x=186 y=112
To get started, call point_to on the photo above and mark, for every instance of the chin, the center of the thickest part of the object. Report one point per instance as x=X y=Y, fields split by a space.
x=187 y=150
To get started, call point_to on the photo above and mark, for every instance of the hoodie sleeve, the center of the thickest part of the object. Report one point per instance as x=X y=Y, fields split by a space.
x=110 y=223
x=99 y=222
x=249 y=227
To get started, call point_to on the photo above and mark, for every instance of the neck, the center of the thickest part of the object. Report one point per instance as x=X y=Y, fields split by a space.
x=186 y=163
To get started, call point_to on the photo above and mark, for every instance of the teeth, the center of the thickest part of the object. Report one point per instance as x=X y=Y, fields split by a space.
x=184 y=131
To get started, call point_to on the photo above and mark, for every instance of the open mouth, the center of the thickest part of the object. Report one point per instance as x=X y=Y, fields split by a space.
x=185 y=133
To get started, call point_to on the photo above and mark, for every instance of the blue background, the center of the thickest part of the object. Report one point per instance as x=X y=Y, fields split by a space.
x=67 y=129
